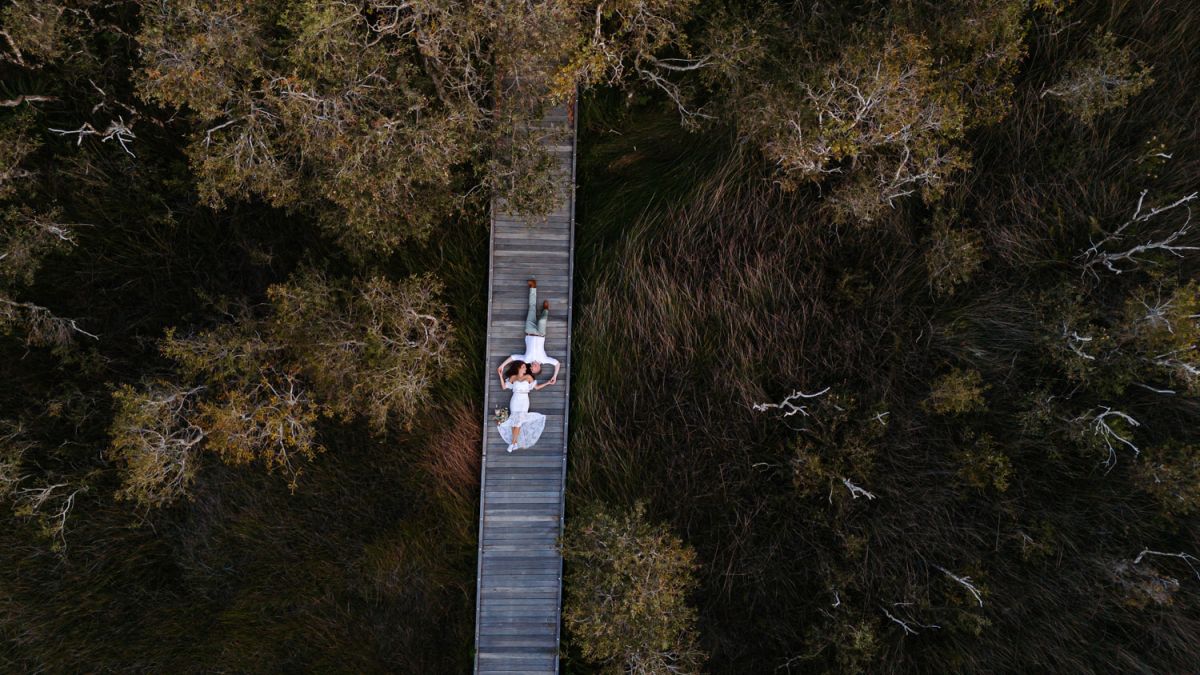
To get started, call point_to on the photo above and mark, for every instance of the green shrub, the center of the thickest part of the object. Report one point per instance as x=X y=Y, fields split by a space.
x=626 y=593
x=957 y=392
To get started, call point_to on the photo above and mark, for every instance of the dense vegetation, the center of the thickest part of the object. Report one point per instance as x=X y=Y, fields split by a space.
x=886 y=347
x=980 y=409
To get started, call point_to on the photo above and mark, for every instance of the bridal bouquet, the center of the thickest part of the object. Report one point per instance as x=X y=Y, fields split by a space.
x=501 y=416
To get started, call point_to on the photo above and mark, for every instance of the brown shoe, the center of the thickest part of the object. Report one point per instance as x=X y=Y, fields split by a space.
x=546 y=305
x=533 y=283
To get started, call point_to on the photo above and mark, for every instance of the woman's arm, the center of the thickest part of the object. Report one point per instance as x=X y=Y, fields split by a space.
x=500 y=370
x=543 y=385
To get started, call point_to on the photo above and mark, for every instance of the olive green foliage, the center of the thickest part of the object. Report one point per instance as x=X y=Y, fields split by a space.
x=379 y=563
x=28 y=234
x=1104 y=81
x=957 y=392
x=877 y=112
x=985 y=465
x=1171 y=473
x=322 y=349
x=37 y=32
x=17 y=144
x=873 y=105
x=628 y=582
x=1161 y=330
x=306 y=105
x=156 y=441
x=258 y=408
x=116 y=508
x=372 y=350
x=383 y=117
x=953 y=257
x=839 y=445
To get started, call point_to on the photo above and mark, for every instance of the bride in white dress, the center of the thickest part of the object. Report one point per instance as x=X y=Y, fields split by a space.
x=522 y=428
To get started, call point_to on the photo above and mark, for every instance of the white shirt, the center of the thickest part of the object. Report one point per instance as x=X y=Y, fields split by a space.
x=535 y=350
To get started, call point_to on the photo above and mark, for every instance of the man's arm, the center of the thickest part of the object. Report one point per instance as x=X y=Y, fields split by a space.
x=554 y=377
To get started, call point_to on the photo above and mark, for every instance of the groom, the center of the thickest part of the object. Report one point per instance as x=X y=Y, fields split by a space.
x=535 y=338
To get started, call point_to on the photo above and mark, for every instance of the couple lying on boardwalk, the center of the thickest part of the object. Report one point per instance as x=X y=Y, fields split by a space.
x=518 y=373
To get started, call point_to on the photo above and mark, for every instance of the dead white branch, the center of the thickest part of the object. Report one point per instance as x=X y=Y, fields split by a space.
x=906 y=625
x=116 y=129
x=25 y=98
x=788 y=405
x=1191 y=560
x=856 y=491
x=43 y=326
x=1075 y=342
x=1122 y=261
x=1099 y=425
x=964 y=581
x=49 y=505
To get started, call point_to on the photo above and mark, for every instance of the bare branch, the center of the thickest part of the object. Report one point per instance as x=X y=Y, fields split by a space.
x=965 y=581
x=43 y=326
x=1075 y=342
x=787 y=405
x=116 y=130
x=1099 y=425
x=1185 y=557
x=25 y=98
x=856 y=491
x=908 y=629
x=1122 y=261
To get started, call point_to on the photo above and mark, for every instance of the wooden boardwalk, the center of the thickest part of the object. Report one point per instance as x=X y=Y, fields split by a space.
x=519 y=576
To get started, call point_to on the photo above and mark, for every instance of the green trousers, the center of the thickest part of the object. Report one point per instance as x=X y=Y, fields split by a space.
x=535 y=324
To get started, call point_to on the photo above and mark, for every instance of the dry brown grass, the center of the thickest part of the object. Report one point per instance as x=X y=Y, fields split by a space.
x=452 y=459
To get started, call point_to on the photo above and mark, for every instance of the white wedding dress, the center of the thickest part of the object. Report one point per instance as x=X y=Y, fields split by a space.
x=532 y=424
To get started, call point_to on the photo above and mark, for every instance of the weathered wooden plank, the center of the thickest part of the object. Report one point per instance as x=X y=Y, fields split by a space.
x=516 y=470
x=535 y=255
x=515 y=604
x=501 y=484
x=544 y=567
x=532 y=240
x=505 y=508
x=519 y=618
x=515 y=495
x=545 y=540
x=499 y=613
x=501 y=528
x=520 y=272
x=487 y=658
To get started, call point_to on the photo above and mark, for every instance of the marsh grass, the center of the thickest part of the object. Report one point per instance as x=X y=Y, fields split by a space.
x=710 y=290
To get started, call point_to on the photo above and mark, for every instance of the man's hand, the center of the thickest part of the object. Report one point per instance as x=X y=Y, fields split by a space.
x=553 y=379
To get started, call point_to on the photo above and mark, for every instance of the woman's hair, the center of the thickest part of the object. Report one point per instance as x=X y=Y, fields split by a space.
x=513 y=369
